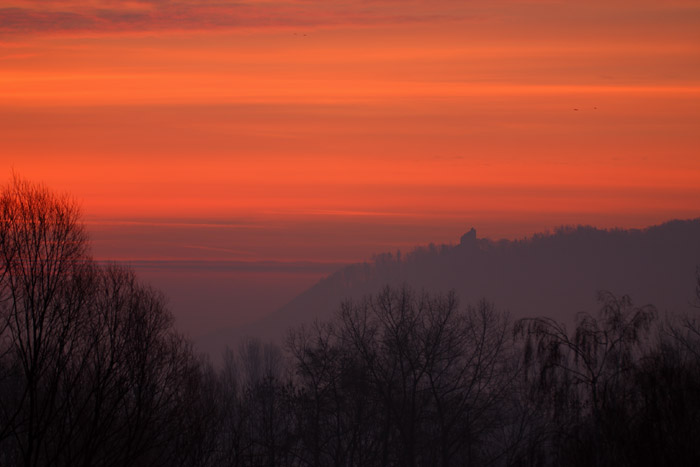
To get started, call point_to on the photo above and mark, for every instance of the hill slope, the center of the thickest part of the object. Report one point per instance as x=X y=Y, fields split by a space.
x=552 y=274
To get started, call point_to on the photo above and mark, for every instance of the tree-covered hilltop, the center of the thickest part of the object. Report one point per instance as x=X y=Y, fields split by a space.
x=553 y=274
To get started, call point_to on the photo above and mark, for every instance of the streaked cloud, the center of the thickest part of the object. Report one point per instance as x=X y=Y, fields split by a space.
x=110 y=16
x=135 y=16
x=291 y=267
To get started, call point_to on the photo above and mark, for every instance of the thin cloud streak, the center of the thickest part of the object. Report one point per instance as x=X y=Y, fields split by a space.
x=290 y=267
x=108 y=17
x=193 y=224
x=76 y=17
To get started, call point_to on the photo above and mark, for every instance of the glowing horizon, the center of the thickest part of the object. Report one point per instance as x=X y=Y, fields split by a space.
x=329 y=131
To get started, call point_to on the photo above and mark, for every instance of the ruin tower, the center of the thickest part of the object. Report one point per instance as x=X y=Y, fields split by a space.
x=469 y=238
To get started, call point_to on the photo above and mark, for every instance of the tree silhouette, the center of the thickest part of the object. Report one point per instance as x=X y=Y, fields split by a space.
x=585 y=378
x=404 y=379
x=45 y=275
x=91 y=372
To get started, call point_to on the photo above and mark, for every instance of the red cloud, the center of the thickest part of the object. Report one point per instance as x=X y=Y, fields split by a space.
x=111 y=16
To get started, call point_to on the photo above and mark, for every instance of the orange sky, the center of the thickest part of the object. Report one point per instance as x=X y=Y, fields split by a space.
x=306 y=130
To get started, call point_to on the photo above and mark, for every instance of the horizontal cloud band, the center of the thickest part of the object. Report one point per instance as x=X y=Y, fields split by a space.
x=236 y=266
x=34 y=17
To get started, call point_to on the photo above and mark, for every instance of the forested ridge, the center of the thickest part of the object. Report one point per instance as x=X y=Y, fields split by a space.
x=93 y=372
x=553 y=274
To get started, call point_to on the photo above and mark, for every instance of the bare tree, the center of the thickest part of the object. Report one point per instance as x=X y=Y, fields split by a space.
x=669 y=382
x=585 y=378
x=44 y=275
x=405 y=379
x=91 y=371
x=256 y=407
x=336 y=411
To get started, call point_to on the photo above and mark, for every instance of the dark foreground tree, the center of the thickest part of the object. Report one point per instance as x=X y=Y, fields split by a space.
x=91 y=371
x=256 y=408
x=669 y=384
x=584 y=382
x=405 y=379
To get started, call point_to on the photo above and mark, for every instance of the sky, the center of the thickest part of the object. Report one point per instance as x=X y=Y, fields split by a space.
x=236 y=152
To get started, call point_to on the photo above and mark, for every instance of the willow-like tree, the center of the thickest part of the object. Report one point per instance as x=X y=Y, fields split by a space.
x=585 y=380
